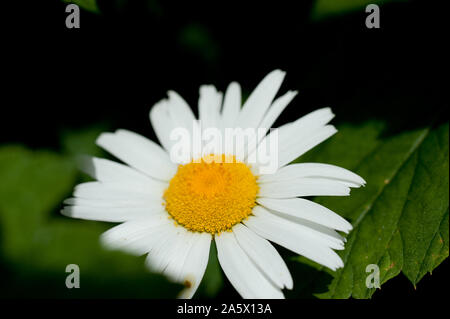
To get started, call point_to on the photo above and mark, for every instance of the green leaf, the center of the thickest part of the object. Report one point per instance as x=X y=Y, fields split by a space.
x=328 y=8
x=197 y=39
x=88 y=5
x=82 y=142
x=37 y=243
x=401 y=217
x=31 y=185
x=212 y=281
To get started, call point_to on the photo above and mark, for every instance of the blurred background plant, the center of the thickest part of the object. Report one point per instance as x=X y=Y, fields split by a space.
x=68 y=85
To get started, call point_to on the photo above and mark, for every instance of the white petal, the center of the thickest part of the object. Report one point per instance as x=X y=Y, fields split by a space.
x=160 y=255
x=183 y=117
x=209 y=104
x=138 y=152
x=119 y=191
x=155 y=160
x=138 y=236
x=297 y=171
x=179 y=111
x=264 y=255
x=272 y=114
x=292 y=237
x=323 y=230
x=110 y=214
x=303 y=187
x=313 y=120
x=260 y=99
x=243 y=274
x=308 y=210
x=195 y=264
x=304 y=142
x=277 y=107
x=231 y=105
x=180 y=253
x=296 y=138
x=143 y=202
x=319 y=234
x=302 y=128
x=162 y=123
x=105 y=170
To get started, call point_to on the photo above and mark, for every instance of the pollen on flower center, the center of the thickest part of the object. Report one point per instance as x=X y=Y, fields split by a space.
x=211 y=195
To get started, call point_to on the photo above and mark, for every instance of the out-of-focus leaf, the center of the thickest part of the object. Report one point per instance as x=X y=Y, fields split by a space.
x=213 y=279
x=88 y=5
x=37 y=244
x=328 y=8
x=197 y=39
x=32 y=184
x=401 y=217
x=82 y=142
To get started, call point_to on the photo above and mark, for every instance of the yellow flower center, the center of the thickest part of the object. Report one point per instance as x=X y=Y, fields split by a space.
x=211 y=194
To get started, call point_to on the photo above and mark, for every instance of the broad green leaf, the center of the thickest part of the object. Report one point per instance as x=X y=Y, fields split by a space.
x=36 y=243
x=401 y=217
x=88 y=5
x=31 y=186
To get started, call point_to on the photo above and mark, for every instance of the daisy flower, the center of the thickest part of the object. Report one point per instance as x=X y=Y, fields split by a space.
x=173 y=211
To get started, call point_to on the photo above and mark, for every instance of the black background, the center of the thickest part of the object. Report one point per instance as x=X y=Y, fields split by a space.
x=118 y=64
